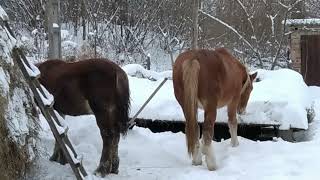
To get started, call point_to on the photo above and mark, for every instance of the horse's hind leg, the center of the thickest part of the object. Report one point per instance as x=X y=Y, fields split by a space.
x=115 y=156
x=208 y=129
x=232 y=123
x=105 y=123
x=196 y=155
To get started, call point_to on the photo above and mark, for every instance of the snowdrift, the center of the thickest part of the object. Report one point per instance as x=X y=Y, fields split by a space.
x=279 y=97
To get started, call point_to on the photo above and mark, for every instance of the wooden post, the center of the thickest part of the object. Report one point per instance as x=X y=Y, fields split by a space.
x=54 y=29
x=83 y=15
x=195 y=29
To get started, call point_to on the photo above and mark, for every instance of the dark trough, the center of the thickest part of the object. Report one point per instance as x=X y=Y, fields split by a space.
x=261 y=132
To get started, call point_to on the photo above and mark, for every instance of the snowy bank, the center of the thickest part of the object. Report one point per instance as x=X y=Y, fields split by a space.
x=279 y=98
x=163 y=156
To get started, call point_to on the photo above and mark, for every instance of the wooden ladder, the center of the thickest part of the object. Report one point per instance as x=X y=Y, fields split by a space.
x=45 y=102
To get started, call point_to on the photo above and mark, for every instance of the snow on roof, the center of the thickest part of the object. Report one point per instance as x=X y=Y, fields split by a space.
x=3 y=14
x=306 y=22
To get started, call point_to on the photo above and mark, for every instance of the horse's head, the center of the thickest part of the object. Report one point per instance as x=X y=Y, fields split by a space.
x=245 y=92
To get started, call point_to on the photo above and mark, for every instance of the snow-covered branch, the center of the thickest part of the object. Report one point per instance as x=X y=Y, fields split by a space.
x=241 y=37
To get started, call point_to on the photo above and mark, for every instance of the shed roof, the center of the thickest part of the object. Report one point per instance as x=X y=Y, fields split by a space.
x=303 y=22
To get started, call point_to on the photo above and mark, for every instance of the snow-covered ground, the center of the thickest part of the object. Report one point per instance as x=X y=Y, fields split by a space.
x=160 y=156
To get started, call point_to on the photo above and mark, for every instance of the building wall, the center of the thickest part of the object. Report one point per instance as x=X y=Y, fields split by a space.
x=295 y=44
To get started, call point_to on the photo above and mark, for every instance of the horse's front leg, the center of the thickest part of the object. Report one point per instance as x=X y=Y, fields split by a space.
x=208 y=131
x=232 y=123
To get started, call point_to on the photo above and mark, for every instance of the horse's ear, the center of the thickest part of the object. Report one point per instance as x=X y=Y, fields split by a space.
x=253 y=76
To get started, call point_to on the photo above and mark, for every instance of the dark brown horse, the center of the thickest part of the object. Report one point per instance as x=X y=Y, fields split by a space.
x=210 y=79
x=95 y=86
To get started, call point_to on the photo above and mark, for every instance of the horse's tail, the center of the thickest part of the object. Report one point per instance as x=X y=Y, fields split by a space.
x=190 y=71
x=123 y=101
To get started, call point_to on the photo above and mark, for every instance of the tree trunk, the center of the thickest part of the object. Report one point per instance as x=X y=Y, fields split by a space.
x=54 y=29
x=195 y=29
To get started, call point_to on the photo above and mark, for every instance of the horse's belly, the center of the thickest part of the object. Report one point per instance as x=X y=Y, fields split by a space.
x=220 y=104
x=74 y=108
x=223 y=103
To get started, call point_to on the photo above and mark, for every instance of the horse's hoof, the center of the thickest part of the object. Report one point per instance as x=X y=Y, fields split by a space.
x=53 y=158
x=114 y=171
x=99 y=174
x=59 y=158
x=213 y=168
x=197 y=159
x=196 y=163
x=211 y=163
x=235 y=144
x=102 y=170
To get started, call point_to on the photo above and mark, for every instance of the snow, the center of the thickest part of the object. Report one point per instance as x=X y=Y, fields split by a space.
x=163 y=156
x=4 y=84
x=75 y=160
x=61 y=120
x=137 y=70
x=3 y=14
x=293 y=22
x=17 y=119
x=60 y=129
x=7 y=42
x=280 y=98
x=55 y=25
x=32 y=71
x=46 y=98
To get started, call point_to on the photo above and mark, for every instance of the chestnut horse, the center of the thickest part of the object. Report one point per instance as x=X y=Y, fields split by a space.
x=95 y=86
x=210 y=79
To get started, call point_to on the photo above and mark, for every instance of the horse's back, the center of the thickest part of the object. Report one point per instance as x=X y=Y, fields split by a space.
x=74 y=83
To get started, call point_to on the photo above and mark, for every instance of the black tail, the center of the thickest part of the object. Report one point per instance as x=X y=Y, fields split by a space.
x=123 y=101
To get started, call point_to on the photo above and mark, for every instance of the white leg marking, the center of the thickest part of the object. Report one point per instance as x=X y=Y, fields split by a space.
x=209 y=156
x=234 y=137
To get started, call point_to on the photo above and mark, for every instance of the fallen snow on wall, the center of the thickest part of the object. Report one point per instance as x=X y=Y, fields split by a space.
x=3 y=14
x=4 y=82
x=7 y=42
x=16 y=116
x=280 y=97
